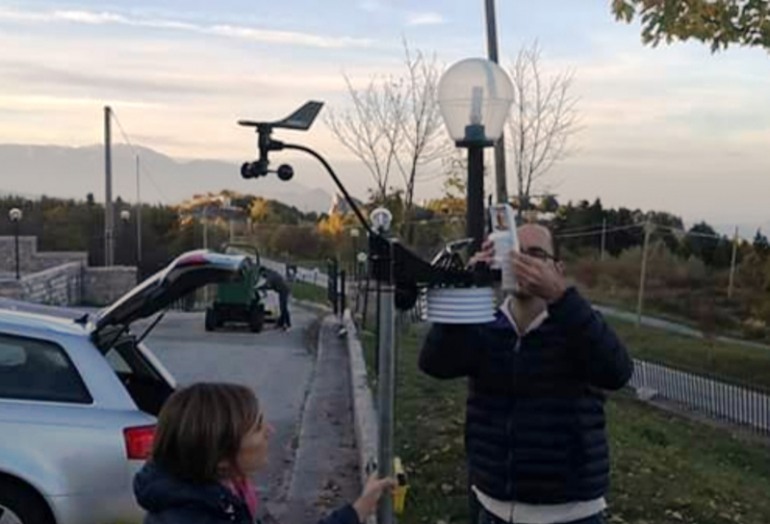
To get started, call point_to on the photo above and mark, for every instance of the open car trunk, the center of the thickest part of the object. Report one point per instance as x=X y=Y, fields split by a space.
x=140 y=372
x=144 y=380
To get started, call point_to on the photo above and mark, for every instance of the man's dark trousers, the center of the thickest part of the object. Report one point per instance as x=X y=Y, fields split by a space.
x=284 y=320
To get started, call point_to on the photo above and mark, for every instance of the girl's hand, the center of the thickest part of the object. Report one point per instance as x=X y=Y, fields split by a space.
x=367 y=502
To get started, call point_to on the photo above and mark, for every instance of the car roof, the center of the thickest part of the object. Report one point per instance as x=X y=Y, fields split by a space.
x=16 y=314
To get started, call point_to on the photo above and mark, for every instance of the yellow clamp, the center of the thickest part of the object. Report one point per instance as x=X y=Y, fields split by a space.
x=399 y=492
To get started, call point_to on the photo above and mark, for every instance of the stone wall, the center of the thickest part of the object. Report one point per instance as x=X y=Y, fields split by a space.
x=104 y=285
x=32 y=261
x=59 y=286
x=71 y=284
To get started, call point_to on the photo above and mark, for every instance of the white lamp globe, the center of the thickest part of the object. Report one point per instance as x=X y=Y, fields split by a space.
x=474 y=96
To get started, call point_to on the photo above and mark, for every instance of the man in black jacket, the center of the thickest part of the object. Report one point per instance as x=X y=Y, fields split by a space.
x=535 y=425
x=274 y=281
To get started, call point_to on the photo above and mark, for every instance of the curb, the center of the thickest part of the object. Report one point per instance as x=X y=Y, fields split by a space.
x=364 y=414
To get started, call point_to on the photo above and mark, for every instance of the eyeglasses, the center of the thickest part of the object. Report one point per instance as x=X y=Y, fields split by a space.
x=538 y=252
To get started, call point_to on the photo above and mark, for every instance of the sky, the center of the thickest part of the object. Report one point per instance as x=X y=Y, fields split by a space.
x=672 y=128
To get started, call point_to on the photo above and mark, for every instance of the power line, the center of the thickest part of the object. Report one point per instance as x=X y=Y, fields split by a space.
x=142 y=165
x=599 y=231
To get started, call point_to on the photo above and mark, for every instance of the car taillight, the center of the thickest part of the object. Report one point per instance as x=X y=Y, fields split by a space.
x=139 y=442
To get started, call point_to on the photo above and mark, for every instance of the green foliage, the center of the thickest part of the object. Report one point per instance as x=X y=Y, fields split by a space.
x=761 y=245
x=718 y=23
x=309 y=292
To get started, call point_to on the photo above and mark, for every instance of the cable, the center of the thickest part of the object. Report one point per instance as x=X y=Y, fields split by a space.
x=142 y=166
x=599 y=232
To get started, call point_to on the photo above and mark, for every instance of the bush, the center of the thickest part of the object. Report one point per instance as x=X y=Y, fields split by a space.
x=754 y=328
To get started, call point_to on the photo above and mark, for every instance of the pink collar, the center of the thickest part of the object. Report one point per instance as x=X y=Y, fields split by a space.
x=245 y=490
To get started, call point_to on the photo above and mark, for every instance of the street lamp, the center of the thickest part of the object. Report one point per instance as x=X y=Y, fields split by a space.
x=474 y=96
x=125 y=216
x=354 y=234
x=15 y=215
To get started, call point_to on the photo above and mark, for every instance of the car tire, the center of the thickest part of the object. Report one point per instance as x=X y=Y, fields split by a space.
x=211 y=319
x=256 y=319
x=17 y=500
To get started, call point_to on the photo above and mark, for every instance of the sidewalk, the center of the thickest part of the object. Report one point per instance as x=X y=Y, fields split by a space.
x=326 y=471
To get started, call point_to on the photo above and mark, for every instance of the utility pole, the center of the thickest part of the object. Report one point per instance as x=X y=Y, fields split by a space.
x=732 y=264
x=648 y=228
x=604 y=236
x=502 y=188
x=138 y=219
x=109 y=219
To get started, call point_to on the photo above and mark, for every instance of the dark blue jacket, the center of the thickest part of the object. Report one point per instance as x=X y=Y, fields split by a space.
x=168 y=500
x=535 y=425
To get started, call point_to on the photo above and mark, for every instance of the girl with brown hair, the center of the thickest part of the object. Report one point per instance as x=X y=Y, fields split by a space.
x=210 y=439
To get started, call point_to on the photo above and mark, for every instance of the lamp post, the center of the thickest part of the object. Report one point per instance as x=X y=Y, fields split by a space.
x=355 y=233
x=475 y=96
x=386 y=361
x=15 y=215
x=125 y=217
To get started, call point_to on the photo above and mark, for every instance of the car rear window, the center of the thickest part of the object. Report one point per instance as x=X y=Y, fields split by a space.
x=33 y=369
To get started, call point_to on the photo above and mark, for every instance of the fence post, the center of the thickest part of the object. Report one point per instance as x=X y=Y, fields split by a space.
x=332 y=285
x=343 y=294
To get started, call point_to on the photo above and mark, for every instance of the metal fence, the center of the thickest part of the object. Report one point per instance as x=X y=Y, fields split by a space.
x=745 y=405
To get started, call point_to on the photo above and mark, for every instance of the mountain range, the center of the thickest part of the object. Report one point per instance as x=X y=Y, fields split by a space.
x=73 y=172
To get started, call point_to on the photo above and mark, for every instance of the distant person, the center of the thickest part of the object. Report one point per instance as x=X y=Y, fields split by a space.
x=535 y=433
x=274 y=281
x=210 y=440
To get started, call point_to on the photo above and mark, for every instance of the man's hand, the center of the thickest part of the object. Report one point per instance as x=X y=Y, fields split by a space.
x=486 y=255
x=540 y=278
x=367 y=502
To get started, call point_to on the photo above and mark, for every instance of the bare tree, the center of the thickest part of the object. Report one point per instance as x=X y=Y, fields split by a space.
x=395 y=125
x=543 y=118
x=424 y=140
x=370 y=128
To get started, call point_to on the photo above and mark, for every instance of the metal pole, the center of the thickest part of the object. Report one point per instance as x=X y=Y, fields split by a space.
x=475 y=199
x=604 y=235
x=647 y=230
x=109 y=226
x=732 y=264
x=138 y=219
x=385 y=385
x=205 y=246
x=16 y=241
x=500 y=178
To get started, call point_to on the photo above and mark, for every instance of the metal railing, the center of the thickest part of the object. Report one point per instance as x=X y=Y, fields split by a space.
x=718 y=398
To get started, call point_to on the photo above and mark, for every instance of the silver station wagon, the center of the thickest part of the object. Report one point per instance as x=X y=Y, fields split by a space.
x=79 y=393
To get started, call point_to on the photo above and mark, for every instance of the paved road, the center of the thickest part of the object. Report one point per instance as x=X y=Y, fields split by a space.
x=673 y=327
x=277 y=365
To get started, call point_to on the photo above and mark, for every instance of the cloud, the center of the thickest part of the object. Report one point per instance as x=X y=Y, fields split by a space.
x=427 y=18
x=253 y=34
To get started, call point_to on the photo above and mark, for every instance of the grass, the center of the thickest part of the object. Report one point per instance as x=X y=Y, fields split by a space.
x=310 y=292
x=665 y=469
x=730 y=362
